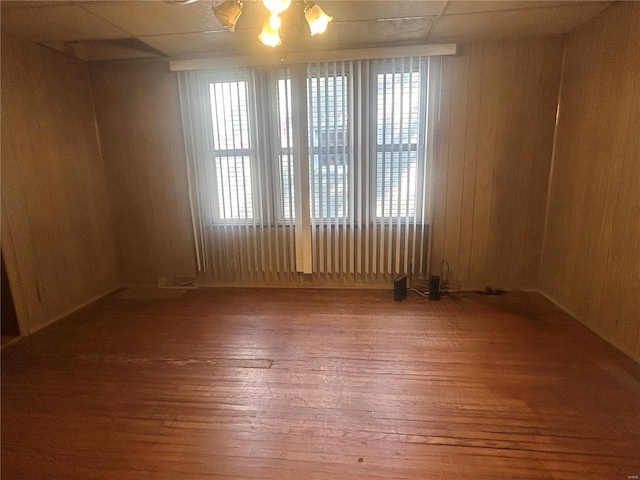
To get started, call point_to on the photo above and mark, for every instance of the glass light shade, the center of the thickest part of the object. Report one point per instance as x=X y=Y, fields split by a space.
x=316 y=18
x=276 y=7
x=270 y=34
x=275 y=22
x=228 y=13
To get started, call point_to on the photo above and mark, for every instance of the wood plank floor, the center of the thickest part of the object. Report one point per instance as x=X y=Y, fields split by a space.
x=318 y=384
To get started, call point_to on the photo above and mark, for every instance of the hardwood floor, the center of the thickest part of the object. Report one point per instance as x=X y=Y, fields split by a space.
x=7 y=339
x=318 y=384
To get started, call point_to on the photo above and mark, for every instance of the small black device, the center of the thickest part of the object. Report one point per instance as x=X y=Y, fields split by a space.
x=434 y=287
x=400 y=288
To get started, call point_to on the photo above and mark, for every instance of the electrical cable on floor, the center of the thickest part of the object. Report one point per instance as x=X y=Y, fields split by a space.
x=444 y=279
x=452 y=296
x=455 y=294
x=422 y=294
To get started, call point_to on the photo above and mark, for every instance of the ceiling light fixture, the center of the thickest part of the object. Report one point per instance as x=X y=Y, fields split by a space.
x=276 y=7
x=229 y=11
x=270 y=34
x=316 y=18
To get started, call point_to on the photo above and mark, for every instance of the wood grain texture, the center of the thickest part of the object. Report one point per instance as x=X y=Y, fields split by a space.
x=317 y=384
x=494 y=144
x=57 y=233
x=591 y=258
x=492 y=164
x=138 y=111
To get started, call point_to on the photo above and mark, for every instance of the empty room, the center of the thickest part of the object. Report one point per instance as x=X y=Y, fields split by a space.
x=285 y=239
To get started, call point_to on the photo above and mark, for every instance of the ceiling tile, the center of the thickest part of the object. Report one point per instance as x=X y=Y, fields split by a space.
x=57 y=23
x=514 y=23
x=366 y=34
x=296 y=38
x=350 y=11
x=163 y=18
x=156 y=18
x=194 y=44
x=458 y=6
x=188 y=30
x=101 y=50
x=30 y=4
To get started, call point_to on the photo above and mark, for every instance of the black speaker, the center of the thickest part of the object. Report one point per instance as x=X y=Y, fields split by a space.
x=400 y=288
x=434 y=287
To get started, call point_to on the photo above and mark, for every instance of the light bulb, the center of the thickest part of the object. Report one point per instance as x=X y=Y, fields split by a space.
x=276 y=7
x=316 y=18
x=275 y=22
x=270 y=34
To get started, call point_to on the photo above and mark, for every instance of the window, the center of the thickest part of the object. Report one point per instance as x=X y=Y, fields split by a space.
x=328 y=149
x=285 y=154
x=231 y=149
x=335 y=149
x=400 y=120
x=251 y=125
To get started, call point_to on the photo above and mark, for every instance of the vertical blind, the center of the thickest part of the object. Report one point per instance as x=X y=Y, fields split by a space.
x=345 y=140
x=231 y=150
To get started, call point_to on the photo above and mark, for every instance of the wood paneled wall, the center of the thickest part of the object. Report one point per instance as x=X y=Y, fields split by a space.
x=57 y=234
x=591 y=255
x=496 y=126
x=498 y=101
x=138 y=111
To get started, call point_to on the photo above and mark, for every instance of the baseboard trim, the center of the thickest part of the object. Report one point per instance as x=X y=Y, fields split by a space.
x=611 y=341
x=74 y=309
x=334 y=286
x=327 y=286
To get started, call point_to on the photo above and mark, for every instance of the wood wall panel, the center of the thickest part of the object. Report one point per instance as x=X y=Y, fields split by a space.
x=493 y=154
x=498 y=103
x=591 y=254
x=57 y=233
x=138 y=112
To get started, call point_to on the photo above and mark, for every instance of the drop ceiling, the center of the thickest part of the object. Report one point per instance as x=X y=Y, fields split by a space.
x=110 y=30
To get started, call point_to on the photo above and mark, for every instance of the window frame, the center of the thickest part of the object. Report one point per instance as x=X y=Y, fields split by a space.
x=266 y=152
x=238 y=76
x=344 y=149
x=389 y=66
x=279 y=151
